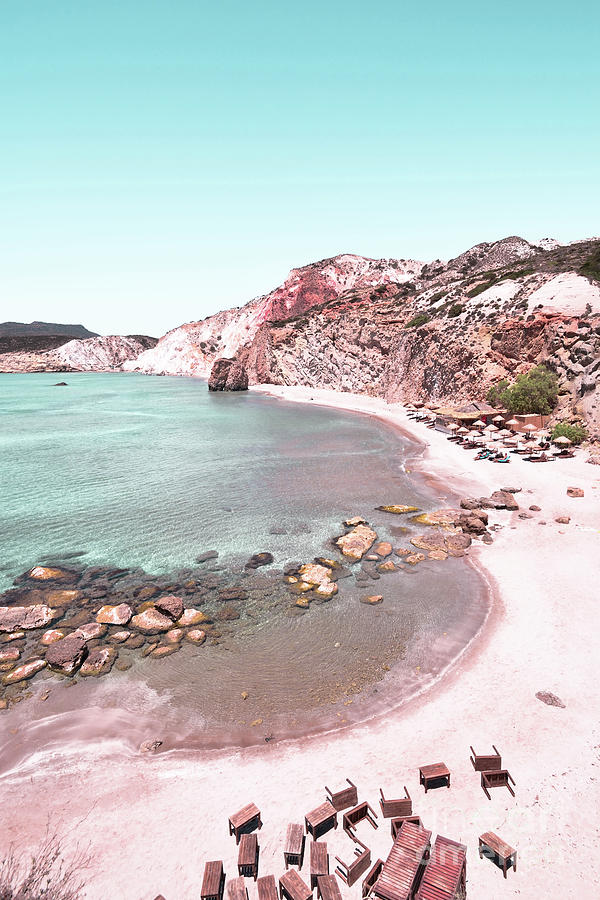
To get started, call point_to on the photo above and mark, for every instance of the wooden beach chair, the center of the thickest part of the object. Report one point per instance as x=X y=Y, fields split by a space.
x=213 y=881
x=494 y=848
x=391 y=808
x=488 y=763
x=246 y=820
x=496 y=778
x=351 y=872
x=399 y=821
x=370 y=879
x=266 y=888
x=445 y=876
x=344 y=798
x=236 y=889
x=402 y=871
x=293 y=849
x=248 y=856
x=353 y=816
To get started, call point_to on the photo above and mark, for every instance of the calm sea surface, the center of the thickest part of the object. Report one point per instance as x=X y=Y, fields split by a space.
x=146 y=474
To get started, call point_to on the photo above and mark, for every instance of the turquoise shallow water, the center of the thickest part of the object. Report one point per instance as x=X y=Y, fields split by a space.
x=141 y=472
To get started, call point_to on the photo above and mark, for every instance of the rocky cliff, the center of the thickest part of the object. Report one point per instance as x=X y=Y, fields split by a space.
x=439 y=332
x=94 y=354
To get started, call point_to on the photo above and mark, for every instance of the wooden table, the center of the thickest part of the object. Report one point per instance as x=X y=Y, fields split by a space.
x=247 y=819
x=432 y=773
x=319 y=861
x=236 y=889
x=293 y=887
x=267 y=888
x=293 y=850
x=328 y=888
x=321 y=819
x=248 y=856
x=492 y=846
x=213 y=881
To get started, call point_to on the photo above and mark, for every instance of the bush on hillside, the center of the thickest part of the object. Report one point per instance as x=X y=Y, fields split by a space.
x=576 y=433
x=417 y=321
x=535 y=391
x=455 y=310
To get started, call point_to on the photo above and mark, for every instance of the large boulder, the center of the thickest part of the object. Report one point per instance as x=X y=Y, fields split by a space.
x=67 y=655
x=228 y=375
x=357 y=542
x=170 y=606
x=26 y=617
x=114 y=615
x=99 y=662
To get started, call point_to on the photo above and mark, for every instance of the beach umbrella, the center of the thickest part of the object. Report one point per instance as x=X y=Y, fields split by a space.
x=491 y=428
x=531 y=429
x=511 y=423
x=504 y=432
x=463 y=430
x=530 y=445
x=562 y=440
x=452 y=426
x=479 y=423
x=512 y=441
x=498 y=419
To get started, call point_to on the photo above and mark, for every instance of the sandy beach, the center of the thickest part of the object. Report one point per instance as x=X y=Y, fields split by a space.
x=152 y=821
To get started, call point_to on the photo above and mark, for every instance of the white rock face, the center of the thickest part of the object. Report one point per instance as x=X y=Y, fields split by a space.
x=99 y=353
x=567 y=293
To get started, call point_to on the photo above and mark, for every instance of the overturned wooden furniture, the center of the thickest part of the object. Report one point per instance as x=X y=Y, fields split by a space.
x=213 y=881
x=248 y=856
x=319 y=861
x=481 y=763
x=399 y=821
x=403 y=869
x=344 y=798
x=320 y=820
x=500 y=778
x=351 y=872
x=328 y=888
x=236 y=889
x=493 y=847
x=401 y=807
x=370 y=879
x=266 y=888
x=293 y=849
x=434 y=775
x=246 y=820
x=292 y=886
x=355 y=815
x=445 y=875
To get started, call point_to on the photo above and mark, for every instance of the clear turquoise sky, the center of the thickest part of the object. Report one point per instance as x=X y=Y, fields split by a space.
x=161 y=160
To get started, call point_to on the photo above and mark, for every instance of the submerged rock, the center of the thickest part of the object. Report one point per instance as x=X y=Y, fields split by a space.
x=48 y=573
x=170 y=606
x=99 y=662
x=191 y=617
x=372 y=599
x=24 y=671
x=196 y=636
x=26 y=617
x=259 y=559
x=114 y=615
x=398 y=509
x=151 y=621
x=66 y=656
x=91 y=631
x=383 y=548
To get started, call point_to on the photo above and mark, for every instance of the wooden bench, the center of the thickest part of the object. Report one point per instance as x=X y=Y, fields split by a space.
x=343 y=798
x=328 y=888
x=445 y=875
x=494 y=848
x=320 y=820
x=293 y=887
x=213 y=881
x=399 y=821
x=369 y=881
x=429 y=776
x=244 y=821
x=267 y=888
x=236 y=889
x=401 y=807
x=319 y=861
x=353 y=816
x=248 y=856
x=486 y=763
x=351 y=872
x=293 y=850
x=500 y=778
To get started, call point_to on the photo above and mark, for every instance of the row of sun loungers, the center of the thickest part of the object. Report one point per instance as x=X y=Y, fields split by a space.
x=413 y=869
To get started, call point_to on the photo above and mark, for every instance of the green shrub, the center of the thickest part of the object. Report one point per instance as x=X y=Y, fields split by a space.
x=418 y=320
x=495 y=392
x=576 y=433
x=455 y=310
x=436 y=297
x=591 y=267
x=481 y=288
x=535 y=391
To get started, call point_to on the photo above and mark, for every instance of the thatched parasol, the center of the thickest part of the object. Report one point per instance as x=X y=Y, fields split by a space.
x=563 y=440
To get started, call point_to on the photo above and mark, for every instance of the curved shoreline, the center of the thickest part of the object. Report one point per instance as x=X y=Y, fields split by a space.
x=538 y=637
